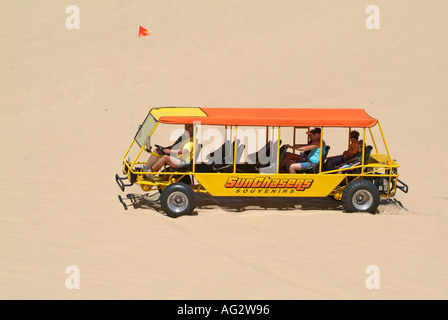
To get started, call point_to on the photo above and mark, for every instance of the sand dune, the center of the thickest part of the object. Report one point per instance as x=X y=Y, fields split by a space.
x=71 y=99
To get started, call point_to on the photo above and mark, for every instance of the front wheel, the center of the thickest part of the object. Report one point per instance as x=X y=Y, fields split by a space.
x=360 y=196
x=177 y=199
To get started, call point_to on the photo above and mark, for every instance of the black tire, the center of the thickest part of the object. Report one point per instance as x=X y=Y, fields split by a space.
x=177 y=200
x=360 y=196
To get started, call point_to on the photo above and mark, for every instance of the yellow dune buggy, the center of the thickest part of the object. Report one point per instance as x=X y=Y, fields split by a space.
x=237 y=152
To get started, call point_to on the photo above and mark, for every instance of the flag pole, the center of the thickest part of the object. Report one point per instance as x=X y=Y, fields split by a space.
x=142 y=32
x=133 y=89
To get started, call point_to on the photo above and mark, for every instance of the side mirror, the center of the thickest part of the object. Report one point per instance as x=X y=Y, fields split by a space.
x=148 y=144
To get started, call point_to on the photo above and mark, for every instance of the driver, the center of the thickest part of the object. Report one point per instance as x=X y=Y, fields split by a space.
x=312 y=158
x=175 y=156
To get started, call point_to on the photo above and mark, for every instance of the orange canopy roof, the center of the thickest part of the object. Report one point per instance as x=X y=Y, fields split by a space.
x=274 y=117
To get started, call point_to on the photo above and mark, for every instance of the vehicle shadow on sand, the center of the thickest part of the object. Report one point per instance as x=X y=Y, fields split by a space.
x=232 y=204
x=387 y=206
x=245 y=204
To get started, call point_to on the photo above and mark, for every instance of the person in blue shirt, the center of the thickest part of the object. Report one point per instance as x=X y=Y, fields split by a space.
x=313 y=156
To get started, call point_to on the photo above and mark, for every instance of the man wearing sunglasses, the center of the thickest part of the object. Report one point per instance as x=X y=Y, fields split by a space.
x=313 y=157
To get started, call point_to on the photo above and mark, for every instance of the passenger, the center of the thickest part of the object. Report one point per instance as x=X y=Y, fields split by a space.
x=313 y=157
x=333 y=162
x=291 y=157
x=175 y=157
x=355 y=161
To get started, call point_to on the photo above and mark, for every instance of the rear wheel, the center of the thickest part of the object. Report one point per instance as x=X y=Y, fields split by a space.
x=177 y=199
x=360 y=196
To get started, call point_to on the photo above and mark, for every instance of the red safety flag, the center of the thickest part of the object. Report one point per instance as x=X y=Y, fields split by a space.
x=143 y=32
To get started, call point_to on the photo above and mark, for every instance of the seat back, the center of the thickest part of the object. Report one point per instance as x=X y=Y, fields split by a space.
x=198 y=152
x=271 y=166
x=262 y=154
x=239 y=152
x=324 y=157
x=367 y=153
x=228 y=152
x=178 y=141
x=227 y=164
x=222 y=155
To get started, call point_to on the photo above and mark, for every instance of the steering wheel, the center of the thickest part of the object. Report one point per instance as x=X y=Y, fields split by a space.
x=160 y=148
x=282 y=153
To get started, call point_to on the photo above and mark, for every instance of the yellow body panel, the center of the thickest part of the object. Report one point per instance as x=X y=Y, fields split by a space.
x=381 y=160
x=268 y=185
x=177 y=112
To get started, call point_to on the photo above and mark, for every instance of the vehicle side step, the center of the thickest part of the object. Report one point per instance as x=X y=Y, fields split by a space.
x=403 y=186
x=120 y=182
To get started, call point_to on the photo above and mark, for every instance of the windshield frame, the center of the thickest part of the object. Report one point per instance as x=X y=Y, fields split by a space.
x=145 y=130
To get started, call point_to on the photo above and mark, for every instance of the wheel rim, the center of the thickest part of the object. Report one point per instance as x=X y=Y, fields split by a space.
x=177 y=201
x=362 y=200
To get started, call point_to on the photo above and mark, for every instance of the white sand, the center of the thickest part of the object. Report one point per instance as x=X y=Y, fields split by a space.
x=65 y=123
